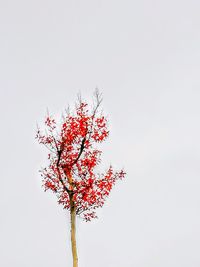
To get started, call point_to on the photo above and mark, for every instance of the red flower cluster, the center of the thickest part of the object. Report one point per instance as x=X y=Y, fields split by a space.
x=73 y=158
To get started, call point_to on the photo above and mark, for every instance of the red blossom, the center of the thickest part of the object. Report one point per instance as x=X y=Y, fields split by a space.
x=73 y=158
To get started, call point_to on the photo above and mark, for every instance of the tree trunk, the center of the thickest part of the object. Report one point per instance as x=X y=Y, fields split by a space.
x=73 y=233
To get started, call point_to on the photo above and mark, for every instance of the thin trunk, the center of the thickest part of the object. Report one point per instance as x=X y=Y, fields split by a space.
x=73 y=233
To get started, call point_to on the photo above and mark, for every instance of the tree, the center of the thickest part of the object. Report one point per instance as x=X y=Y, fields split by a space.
x=73 y=156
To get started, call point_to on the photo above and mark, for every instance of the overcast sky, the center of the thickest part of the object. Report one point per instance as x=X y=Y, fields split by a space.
x=144 y=56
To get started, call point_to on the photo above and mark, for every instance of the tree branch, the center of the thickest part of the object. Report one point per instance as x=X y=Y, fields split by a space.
x=81 y=150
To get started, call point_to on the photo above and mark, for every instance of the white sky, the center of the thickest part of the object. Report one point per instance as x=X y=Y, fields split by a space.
x=145 y=58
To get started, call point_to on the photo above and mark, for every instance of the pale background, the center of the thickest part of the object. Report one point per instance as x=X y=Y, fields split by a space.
x=145 y=58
